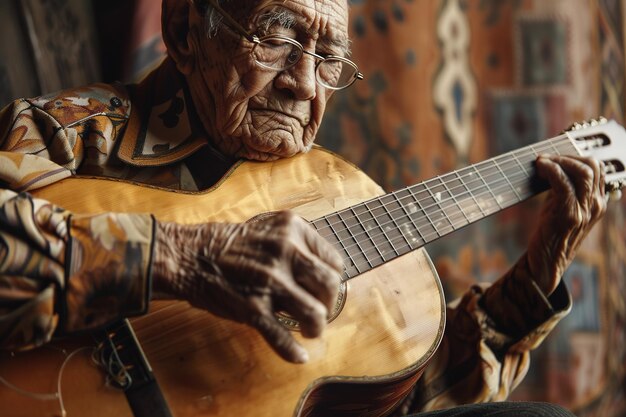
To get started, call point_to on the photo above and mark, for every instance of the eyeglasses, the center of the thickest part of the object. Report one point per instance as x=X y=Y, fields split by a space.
x=279 y=53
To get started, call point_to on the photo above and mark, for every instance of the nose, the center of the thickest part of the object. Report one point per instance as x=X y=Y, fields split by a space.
x=299 y=80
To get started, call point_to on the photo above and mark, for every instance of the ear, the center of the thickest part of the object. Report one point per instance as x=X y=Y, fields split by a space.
x=175 y=28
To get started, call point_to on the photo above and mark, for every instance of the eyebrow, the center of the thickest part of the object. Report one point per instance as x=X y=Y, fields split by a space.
x=287 y=19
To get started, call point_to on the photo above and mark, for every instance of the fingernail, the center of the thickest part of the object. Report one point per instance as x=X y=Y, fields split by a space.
x=302 y=356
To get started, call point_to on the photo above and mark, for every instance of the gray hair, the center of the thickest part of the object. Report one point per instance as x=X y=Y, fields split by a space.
x=213 y=20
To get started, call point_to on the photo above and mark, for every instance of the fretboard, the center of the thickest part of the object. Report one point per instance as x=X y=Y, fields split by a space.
x=381 y=229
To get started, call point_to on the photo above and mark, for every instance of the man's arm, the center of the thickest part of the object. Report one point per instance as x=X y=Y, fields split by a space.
x=490 y=331
x=64 y=273
x=489 y=334
x=243 y=272
x=58 y=271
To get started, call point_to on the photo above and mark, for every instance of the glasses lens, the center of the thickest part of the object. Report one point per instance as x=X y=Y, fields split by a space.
x=276 y=53
x=336 y=73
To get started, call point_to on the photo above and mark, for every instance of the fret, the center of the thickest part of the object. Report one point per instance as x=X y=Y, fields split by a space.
x=505 y=174
x=566 y=147
x=378 y=215
x=420 y=227
x=347 y=244
x=523 y=182
x=379 y=228
x=360 y=233
x=499 y=184
x=554 y=148
x=325 y=229
x=392 y=229
x=468 y=199
x=486 y=200
x=363 y=259
x=449 y=184
x=429 y=203
x=527 y=157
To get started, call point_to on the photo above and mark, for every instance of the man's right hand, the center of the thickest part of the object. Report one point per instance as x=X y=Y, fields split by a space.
x=247 y=272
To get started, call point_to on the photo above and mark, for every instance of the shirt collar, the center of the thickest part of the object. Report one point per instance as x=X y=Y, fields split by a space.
x=163 y=127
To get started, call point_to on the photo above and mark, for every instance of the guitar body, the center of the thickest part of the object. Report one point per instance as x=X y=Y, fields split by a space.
x=390 y=322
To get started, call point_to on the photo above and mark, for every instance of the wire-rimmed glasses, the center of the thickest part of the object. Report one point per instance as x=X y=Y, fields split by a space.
x=279 y=53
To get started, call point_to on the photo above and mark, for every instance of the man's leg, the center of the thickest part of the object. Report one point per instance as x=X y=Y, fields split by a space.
x=503 y=409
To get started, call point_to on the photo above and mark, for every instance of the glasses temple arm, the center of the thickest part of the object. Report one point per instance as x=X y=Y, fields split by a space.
x=232 y=23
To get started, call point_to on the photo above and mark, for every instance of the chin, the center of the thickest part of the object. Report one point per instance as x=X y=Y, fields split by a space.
x=271 y=153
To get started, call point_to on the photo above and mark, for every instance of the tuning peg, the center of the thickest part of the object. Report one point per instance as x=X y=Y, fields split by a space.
x=615 y=195
x=573 y=127
x=586 y=124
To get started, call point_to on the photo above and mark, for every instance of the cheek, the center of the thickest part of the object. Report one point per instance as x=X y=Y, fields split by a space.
x=244 y=82
x=318 y=107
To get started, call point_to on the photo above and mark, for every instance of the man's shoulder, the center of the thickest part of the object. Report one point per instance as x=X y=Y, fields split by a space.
x=76 y=105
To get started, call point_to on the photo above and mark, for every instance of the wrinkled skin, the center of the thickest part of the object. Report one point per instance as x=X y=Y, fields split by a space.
x=255 y=113
x=248 y=272
x=575 y=203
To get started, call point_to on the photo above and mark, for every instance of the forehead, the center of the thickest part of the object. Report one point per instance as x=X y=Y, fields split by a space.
x=323 y=18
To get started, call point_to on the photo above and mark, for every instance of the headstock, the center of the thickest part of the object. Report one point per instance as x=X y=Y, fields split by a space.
x=604 y=140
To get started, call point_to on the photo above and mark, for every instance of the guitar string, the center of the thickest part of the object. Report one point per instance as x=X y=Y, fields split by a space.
x=412 y=199
x=367 y=263
x=360 y=265
x=52 y=396
x=454 y=224
x=452 y=220
x=456 y=179
x=513 y=159
x=404 y=240
x=422 y=212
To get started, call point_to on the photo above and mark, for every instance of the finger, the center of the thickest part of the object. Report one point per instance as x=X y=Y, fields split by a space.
x=601 y=180
x=579 y=171
x=556 y=177
x=322 y=248
x=279 y=337
x=597 y=198
x=310 y=313
x=317 y=277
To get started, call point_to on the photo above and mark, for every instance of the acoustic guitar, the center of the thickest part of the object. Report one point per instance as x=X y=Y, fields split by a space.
x=387 y=323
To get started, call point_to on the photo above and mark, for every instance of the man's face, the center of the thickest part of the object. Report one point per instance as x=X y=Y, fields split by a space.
x=256 y=113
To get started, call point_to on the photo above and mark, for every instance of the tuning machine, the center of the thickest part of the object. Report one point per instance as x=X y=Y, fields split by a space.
x=614 y=189
x=586 y=124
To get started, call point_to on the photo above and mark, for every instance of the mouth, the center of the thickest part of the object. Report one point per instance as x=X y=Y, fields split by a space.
x=302 y=118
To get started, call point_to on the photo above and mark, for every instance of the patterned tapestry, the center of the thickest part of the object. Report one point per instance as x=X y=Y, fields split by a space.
x=450 y=83
x=453 y=82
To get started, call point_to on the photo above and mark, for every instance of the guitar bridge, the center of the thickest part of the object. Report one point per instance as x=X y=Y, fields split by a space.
x=120 y=355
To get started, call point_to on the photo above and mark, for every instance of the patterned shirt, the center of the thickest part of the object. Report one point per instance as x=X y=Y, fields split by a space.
x=51 y=260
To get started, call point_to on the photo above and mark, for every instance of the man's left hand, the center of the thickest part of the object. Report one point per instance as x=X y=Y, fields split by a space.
x=575 y=203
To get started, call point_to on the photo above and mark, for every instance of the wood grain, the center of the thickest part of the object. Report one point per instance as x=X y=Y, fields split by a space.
x=391 y=323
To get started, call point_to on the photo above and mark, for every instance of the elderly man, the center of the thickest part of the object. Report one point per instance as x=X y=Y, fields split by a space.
x=248 y=81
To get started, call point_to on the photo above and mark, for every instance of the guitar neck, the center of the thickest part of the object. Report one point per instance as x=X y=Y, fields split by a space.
x=381 y=229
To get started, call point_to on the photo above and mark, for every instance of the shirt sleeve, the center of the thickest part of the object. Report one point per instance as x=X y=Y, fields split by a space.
x=485 y=351
x=60 y=272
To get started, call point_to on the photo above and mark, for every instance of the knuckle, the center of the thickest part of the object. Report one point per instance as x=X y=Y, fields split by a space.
x=574 y=217
x=330 y=283
x=314 y=320
x=599 y=206
x=588 y=173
